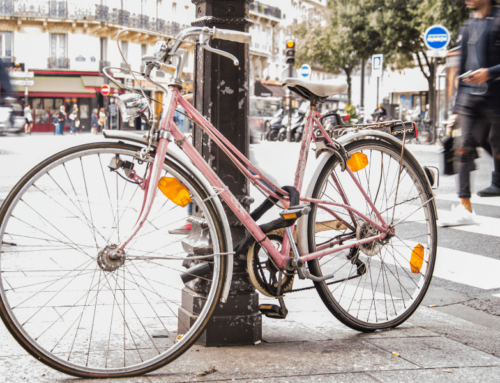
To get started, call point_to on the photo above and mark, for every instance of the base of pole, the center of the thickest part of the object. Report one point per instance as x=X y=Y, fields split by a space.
x=238 y=322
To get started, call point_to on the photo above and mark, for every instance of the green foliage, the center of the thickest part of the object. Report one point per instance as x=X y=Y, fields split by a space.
x=402 y=23
x=357 y=29
x=348 y=37
x=351 y=111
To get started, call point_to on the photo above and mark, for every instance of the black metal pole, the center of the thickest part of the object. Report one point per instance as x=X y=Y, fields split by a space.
x=289 y=127
x=221 y=94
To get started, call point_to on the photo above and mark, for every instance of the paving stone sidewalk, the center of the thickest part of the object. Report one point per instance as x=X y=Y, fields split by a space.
x=312 y=346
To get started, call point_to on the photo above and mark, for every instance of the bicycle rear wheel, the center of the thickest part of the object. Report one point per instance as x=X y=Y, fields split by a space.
x=70 y=305
x=380 y=284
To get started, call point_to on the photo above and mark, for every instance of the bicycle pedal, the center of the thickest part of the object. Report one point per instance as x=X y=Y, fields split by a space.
x=272 y=311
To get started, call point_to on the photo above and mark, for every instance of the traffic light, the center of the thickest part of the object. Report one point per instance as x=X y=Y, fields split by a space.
x=290 y=52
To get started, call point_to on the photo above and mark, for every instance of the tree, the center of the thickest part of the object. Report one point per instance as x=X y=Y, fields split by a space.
x=340 y=45
x=401 y=25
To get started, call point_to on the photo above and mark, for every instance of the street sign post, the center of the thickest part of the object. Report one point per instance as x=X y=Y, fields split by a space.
x=26 y=83
x=436 y=38
x=105 y=89
x=286 y=72
x=305 y=71
x=377 y=65
x=22 y=82
x=377 y=69
x=22 y=74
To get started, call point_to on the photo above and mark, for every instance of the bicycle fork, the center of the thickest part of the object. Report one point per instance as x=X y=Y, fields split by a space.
x=151 y=180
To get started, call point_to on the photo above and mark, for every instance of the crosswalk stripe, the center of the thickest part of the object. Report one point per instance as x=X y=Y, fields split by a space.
x=486 y=225
x=466 y=268
x=492 y=201
x=458 y=266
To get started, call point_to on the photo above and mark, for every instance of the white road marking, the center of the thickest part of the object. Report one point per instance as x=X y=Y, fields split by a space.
x=465 y=268
x=485 y=225
x=492 y=201
x=496 y=295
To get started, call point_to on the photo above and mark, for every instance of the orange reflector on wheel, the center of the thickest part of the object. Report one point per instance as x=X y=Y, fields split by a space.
x=357 y=161
x=174 y=190
x=417 y=259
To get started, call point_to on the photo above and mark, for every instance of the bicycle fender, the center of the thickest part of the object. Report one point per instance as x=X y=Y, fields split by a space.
x=322 y=159
x=184 y=162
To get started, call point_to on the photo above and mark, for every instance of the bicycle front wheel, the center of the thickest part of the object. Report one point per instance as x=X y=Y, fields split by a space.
x=76 y=309
x=380 y=284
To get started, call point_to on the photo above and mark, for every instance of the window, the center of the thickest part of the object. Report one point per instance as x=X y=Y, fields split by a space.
x=6 y=45
x=124 y=47
x=174 y=8
x=104 y=49
x=58 y=51
x=144 y=50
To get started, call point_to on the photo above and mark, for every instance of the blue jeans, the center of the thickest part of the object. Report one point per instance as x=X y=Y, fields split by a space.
x=60 y=127
x=72 y=127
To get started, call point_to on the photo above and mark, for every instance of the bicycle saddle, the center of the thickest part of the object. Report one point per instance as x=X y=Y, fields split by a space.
x=321 y=89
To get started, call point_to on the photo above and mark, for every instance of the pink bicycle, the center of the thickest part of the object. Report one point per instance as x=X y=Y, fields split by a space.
x=93 y=284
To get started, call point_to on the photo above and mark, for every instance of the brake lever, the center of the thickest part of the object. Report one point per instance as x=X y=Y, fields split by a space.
x=220 y=52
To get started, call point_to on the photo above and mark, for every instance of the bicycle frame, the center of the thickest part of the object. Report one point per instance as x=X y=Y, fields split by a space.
x=167 y=124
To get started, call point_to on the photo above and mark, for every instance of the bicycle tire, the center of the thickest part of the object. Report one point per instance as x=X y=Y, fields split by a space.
x=363 y=317
x=154 y=316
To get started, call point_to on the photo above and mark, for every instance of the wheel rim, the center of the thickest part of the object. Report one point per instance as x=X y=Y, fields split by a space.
x=62 y=301
x=388 y=291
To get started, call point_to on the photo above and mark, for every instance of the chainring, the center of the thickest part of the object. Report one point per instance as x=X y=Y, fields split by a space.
x=263 y=272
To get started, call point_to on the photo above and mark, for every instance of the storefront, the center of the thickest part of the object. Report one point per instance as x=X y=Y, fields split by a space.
x=49 y=93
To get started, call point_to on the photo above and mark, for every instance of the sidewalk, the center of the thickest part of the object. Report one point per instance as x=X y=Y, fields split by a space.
x=312 y=346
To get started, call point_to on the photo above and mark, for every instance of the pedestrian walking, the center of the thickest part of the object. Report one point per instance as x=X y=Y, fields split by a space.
x=61 y=118
x=28 y=118
x=102 y=120
x=75 y=120
x=477 y=108
x=94 y=122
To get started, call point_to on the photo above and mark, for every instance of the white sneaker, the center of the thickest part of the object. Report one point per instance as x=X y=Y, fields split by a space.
x=458 y=216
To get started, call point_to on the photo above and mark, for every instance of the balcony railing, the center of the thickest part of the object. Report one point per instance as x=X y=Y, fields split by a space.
x=6 y=7
x=265 y=9
x=58 y=62
x=89 y=10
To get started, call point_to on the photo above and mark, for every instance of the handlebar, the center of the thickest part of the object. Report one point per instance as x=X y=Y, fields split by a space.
x=163 y=56
x=227 y=34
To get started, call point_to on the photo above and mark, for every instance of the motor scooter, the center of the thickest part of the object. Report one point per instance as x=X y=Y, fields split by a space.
x=9 y=122
x=274 y=126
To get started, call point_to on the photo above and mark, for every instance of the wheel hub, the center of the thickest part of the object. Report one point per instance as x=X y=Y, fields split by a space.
x=106 y=263
x=365 y=230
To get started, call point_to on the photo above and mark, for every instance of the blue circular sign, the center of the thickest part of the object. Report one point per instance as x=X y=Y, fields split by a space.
x=305 y=70
x=437 y=37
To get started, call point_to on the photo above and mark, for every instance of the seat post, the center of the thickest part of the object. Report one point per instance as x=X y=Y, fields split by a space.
x=314 y=102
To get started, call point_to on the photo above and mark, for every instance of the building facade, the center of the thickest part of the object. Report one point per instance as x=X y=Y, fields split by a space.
x=67 y=43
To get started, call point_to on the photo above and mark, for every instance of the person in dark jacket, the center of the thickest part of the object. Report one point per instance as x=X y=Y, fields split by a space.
x=478 y=103
x=94 y=118
x=61 y=117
